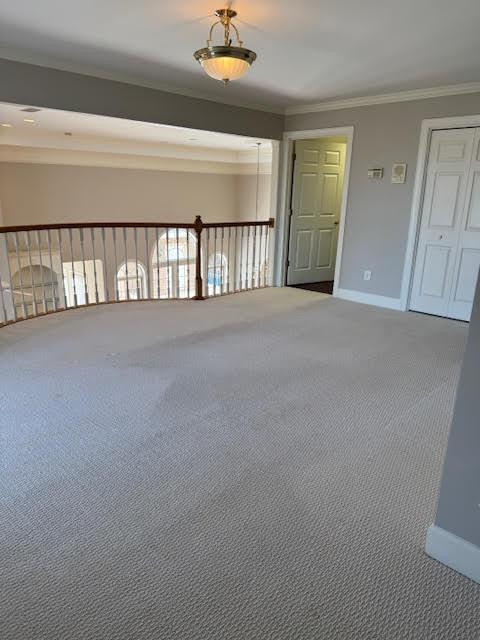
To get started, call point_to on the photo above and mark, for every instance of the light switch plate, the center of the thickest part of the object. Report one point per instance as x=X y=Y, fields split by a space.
x=375 y=174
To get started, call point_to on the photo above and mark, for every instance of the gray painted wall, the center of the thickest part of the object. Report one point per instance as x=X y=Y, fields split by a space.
x=23 y=83
x=378 y=212
x=458 y=506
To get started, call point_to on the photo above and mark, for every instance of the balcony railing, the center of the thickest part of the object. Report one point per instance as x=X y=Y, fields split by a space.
x=50 y=268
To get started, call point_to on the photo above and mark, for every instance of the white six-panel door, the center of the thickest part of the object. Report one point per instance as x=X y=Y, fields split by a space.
x=316 y=204
x=448 y=252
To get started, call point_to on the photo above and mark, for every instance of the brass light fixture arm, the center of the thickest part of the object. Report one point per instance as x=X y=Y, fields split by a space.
x=240 y=42
x=209 y=41
x=225 y=16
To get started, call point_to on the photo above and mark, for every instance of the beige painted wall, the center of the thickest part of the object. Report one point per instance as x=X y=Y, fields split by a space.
x=37 y=193
x=246 y=197
x=378 y=212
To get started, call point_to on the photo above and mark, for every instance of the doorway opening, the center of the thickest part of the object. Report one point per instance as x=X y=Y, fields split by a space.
x=316 y=211
x=83 y=195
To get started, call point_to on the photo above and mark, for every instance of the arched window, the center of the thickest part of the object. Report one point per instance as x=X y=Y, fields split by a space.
x=74 y=287
x=217 y=273
x=173 y=265
x=42 y=296
x=131 y=281
x=83 y=282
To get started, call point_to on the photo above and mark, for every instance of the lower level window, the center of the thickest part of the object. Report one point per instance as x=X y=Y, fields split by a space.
x=217 y=273
x=131 y=281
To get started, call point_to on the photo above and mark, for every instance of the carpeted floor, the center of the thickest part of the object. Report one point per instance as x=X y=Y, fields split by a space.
x=260 y=466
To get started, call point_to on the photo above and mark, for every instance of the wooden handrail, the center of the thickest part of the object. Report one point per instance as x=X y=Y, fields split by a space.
x=255 y=223
x=95 y=225
x=82 y=264
x=153 y=225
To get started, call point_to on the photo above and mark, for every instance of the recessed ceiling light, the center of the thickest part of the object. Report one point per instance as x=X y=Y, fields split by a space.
x=6 y=124
x=30 y=110
x=68 y=133
x=29 y=120
x=191 y=139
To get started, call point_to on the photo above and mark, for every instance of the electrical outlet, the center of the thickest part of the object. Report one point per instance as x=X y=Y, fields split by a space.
x=367 y=275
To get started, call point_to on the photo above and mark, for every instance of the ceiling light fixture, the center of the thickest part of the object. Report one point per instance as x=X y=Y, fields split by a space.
x=6 y=124
x=29 y=120
x=224 y=62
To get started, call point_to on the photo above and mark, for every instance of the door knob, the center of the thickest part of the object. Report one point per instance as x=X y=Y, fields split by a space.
x=335 y=223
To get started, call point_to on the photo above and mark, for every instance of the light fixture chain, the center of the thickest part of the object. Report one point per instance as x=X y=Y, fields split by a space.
x=258 y=177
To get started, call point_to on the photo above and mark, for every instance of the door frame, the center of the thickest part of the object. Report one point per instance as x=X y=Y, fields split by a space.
x=286 y=177
x=428 y=126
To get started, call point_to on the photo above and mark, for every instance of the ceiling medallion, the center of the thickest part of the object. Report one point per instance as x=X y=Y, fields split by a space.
x=224 y=62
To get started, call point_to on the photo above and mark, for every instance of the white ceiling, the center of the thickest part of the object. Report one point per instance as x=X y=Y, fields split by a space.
x=308 y=50
x=114 y=135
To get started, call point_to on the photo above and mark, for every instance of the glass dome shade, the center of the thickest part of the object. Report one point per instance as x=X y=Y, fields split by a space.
x=225 y=63
x=224 y=68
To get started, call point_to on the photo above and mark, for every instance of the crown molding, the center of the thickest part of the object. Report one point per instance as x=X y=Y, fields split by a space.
x=84 y=158
x=326 y=105
x=96 y=143
x=386 y=98
x=12 y=142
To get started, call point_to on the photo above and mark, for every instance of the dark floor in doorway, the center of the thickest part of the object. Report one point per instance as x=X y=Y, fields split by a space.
x=321 y=287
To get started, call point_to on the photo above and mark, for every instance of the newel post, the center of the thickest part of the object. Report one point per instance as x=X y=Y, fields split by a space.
x=198 y=226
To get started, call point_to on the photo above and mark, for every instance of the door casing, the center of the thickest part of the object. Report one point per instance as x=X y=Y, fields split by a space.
x=289 y=138
x=428 y=126
x=322 y=159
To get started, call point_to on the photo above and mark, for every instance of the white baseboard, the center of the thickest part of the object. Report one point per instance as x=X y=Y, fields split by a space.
x=369 y=298
x=455 y=552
